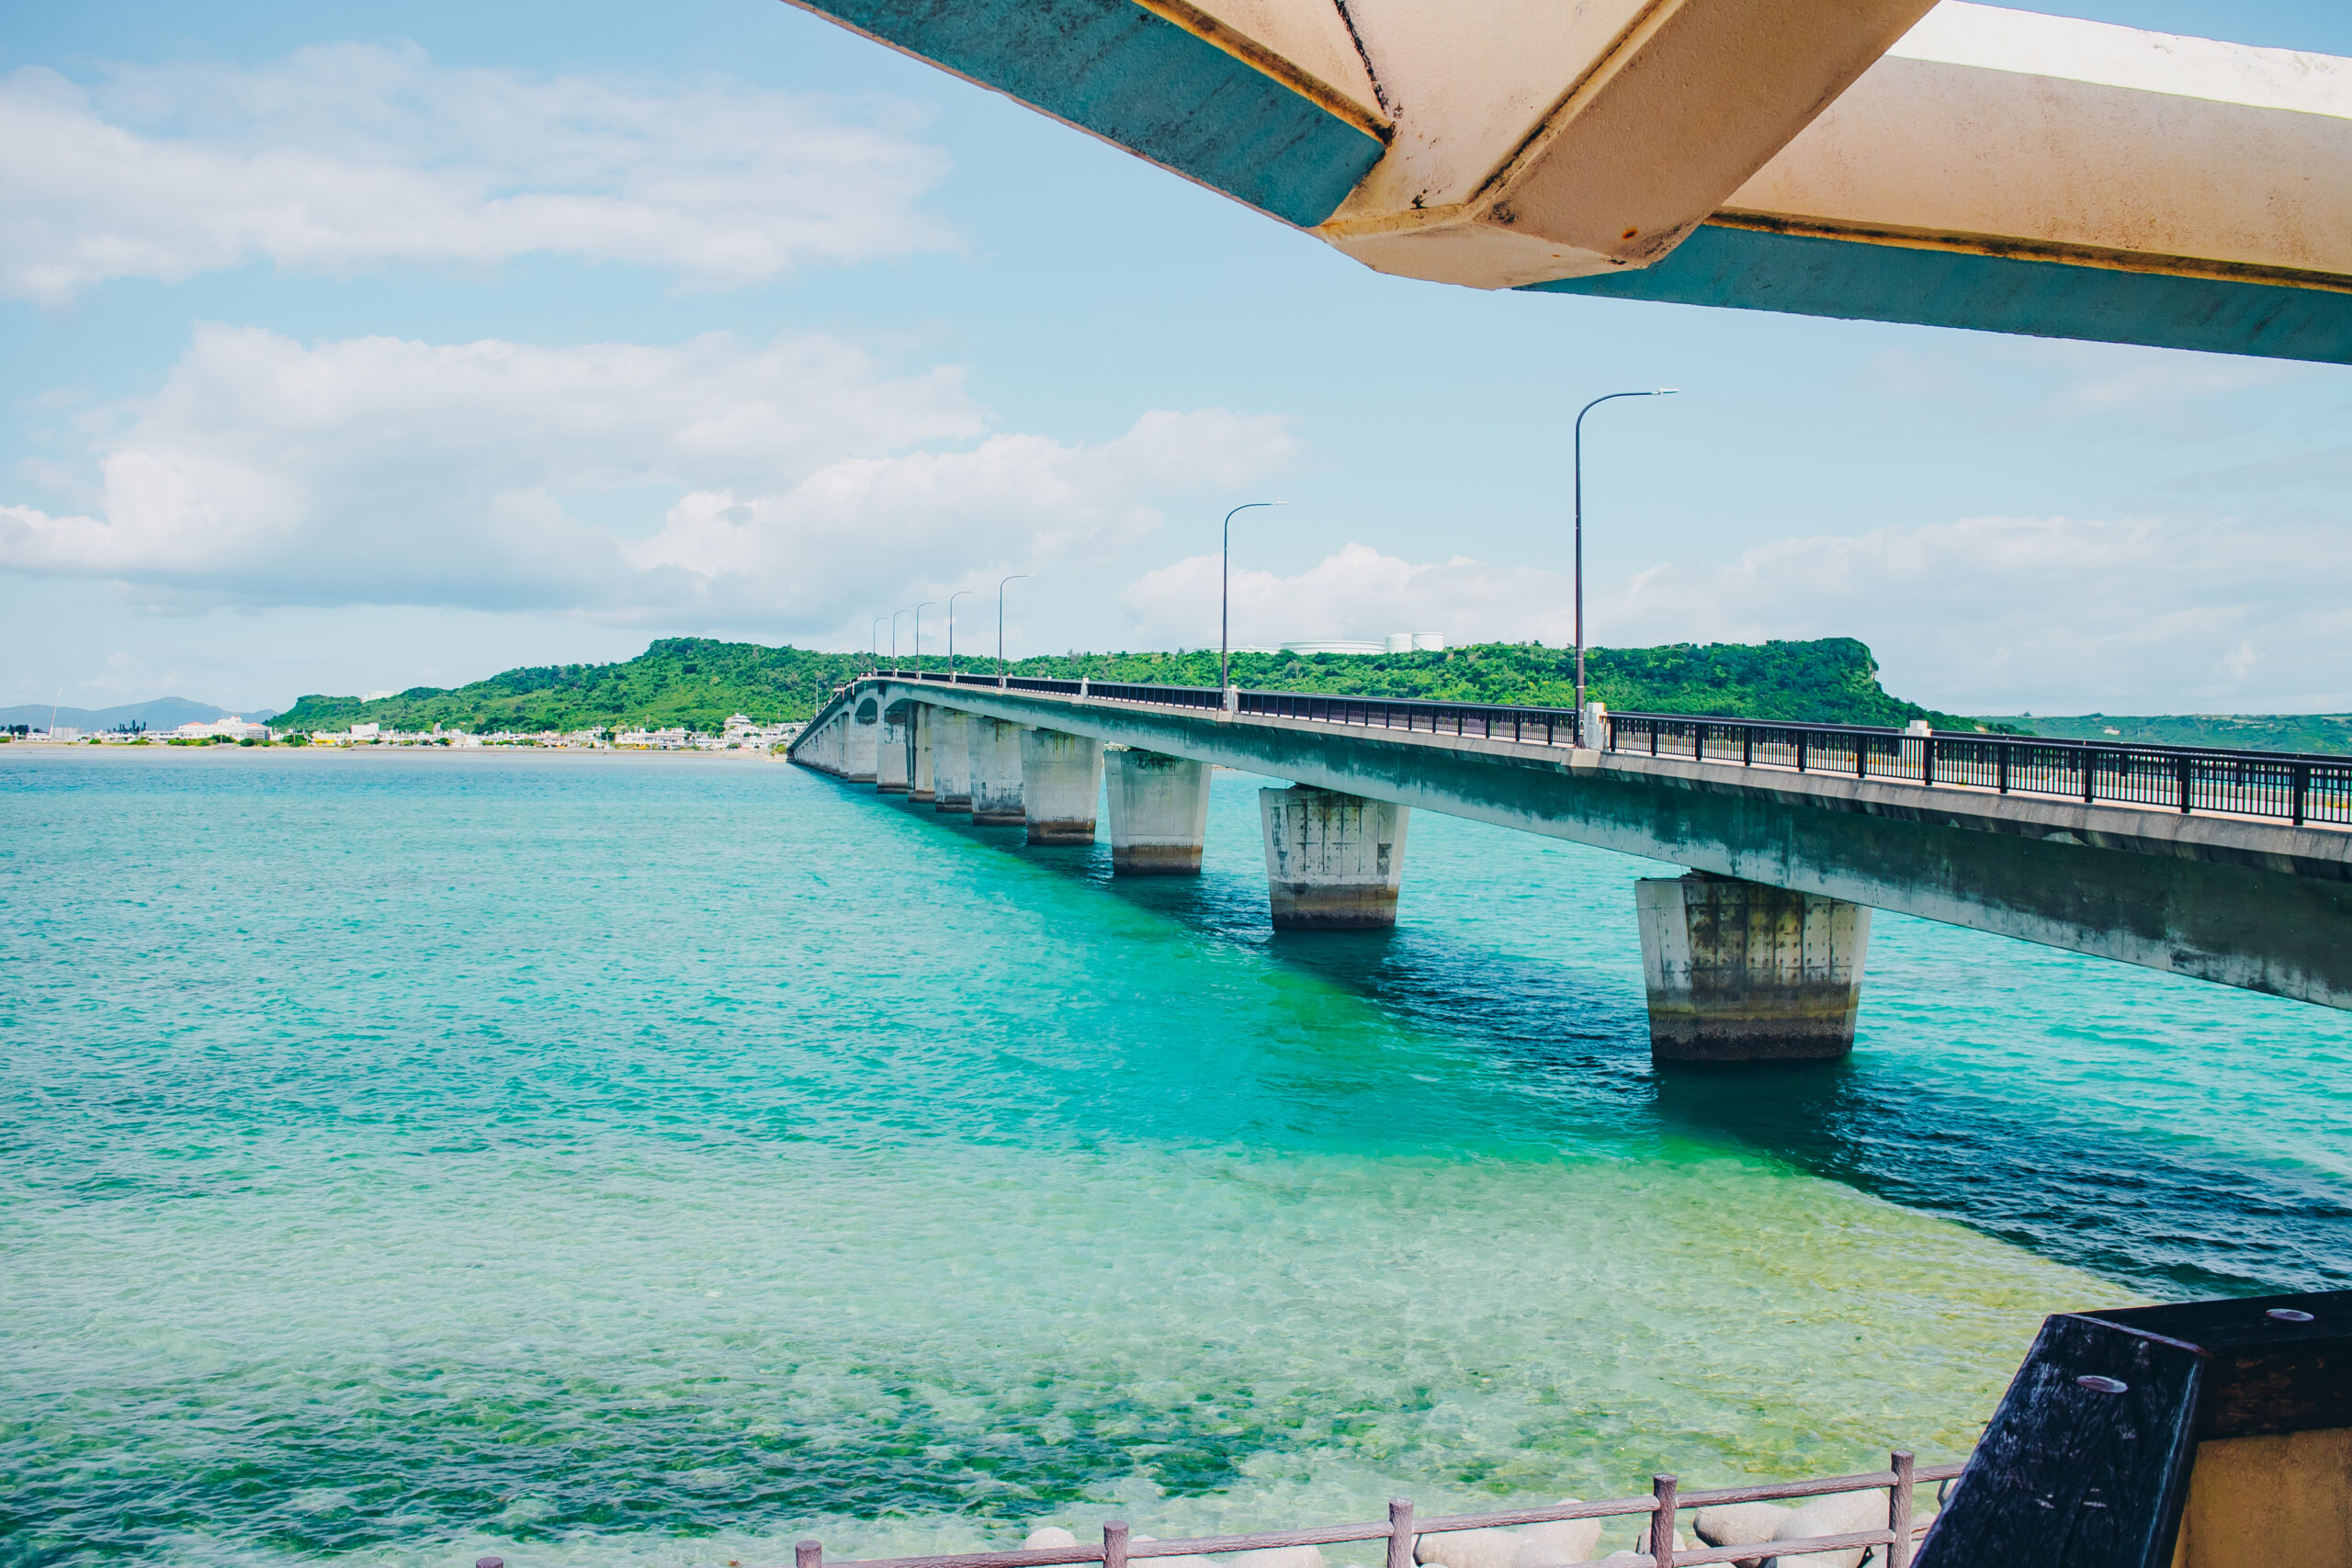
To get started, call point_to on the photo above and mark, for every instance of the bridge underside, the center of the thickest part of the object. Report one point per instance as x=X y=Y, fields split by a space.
x=1951 y=164
x=2262 y=905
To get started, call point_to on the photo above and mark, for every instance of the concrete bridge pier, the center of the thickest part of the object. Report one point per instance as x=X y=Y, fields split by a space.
x=920 y=716
x=863 y=743
x=995 y=772
x=1061 y=781
x=1160 y=814
x=1333 y=861
x=1739 y=972
x=890 y=751
x=951 y=760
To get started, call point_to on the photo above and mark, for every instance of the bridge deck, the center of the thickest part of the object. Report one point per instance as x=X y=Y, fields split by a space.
x=2234 y=896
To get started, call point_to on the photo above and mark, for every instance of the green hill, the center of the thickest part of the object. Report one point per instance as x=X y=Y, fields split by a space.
x=696 y=682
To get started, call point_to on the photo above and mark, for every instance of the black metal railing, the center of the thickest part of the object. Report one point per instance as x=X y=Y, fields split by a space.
x=2278 y=786
x=2286 y=786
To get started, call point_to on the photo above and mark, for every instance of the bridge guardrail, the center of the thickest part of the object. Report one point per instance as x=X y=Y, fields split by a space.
x=2280 y=784
x=2296 y=787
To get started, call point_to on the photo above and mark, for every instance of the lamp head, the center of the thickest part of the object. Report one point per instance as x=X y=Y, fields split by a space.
x=1665 y=391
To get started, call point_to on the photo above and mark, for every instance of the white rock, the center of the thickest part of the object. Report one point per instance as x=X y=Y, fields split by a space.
x=1840 y=1513
x=1048 y=1536
x=1467 y=1548
x=1552 y=1543
x=1740 y=1524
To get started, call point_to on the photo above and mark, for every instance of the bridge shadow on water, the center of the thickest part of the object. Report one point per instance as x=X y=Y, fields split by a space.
x=2171 y=1219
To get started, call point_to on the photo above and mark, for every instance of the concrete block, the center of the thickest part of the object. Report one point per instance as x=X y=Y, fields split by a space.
x=995 y=772
x=1333 y=861
x=890 y=749
x=1740 y=972
x=920 y=716
x=1061 y=783
x=951 y=760
x=1160 y=814
x=864 y=741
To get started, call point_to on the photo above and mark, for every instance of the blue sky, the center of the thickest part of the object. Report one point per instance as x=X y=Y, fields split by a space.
x=339 y=357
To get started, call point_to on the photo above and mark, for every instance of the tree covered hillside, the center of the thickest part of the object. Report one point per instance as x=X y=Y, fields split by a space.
x=696 y=682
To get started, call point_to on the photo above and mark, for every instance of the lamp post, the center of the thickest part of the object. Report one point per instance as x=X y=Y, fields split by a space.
x=918 y=610
x=877 y=640
x=894 y=640
x=951 y=629
x=1224 y=601
x=999 y=625
x=1654 y=392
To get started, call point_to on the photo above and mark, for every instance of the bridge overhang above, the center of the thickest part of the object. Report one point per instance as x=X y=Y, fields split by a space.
x=1961 y=166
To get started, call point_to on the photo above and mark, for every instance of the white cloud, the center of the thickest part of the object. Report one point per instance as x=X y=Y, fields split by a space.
x=347 y=157
x=792 y=483
x=1986 y=615
x=1356 y=595
x=2046 y=615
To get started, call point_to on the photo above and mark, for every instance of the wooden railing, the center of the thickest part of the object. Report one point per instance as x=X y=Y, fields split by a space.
x=1892 y=1544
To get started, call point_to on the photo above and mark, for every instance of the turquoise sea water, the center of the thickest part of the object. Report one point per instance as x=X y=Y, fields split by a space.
x=406 y=1157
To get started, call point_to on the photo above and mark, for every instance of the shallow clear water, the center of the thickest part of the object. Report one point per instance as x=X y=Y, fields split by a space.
x=406 y=1157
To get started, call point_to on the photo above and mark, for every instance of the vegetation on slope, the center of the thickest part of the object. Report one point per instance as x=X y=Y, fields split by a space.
x=695 y=683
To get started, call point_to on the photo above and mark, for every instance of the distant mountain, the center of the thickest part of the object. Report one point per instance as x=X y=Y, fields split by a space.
x=2327 y=733
x=164 y=712
x=696 y=682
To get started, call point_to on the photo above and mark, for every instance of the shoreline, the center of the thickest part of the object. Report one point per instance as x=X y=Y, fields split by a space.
x=79 y=749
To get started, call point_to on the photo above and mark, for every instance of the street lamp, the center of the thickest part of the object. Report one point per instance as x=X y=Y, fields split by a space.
x=951 y=629
x=1225 y=600
x=999 y=625
x=1656 y=392
x=894 y=640
x=877 y=640
x=918 y=610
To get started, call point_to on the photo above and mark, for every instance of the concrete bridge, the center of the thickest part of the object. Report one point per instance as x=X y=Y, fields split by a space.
x=1892 y=160
x=2232 y=867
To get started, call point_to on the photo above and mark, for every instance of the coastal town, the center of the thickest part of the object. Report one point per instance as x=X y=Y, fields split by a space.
x=740 y=733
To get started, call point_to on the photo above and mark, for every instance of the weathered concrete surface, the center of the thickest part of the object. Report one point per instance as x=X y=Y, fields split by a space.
x=918 y=752
x=1333 y=862
x=951 y=760
x=1739 y=972
x=1061 y=782
x=996 y=773
x=864 y=740
x=890 y=747
x=1160 y=814
x=2259 y=905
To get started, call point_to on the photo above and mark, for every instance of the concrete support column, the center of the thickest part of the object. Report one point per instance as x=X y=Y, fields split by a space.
x=890 y=751
x=920 y=716
x=1332 y=861
x=1061 y=781
x=1160 y=814
x=1739 y=972
x=863 y=743
x=996 y=773
x=951 y=760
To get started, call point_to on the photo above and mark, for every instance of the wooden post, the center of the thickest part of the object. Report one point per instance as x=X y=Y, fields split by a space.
x=1898 y=1511
x=1114 y=1543
x=809 y=1554
x=1400 y=1532
x=1662 y=1522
